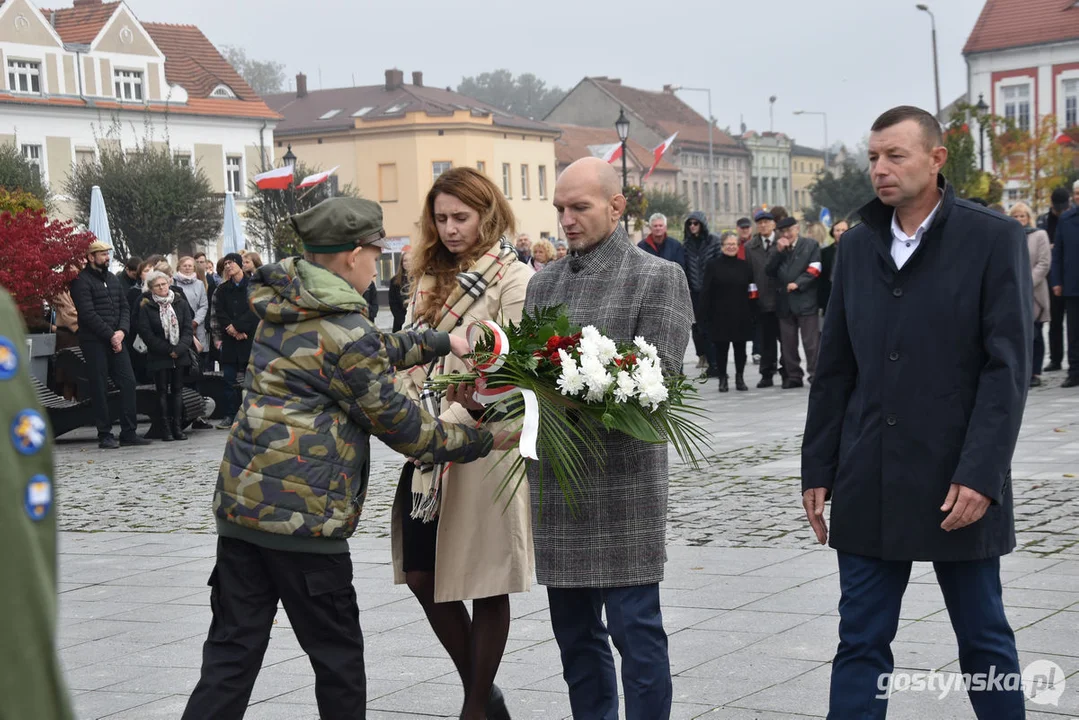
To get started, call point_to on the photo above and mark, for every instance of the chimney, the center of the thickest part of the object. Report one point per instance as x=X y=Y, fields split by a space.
x=615 y=81
x=417 y=78
x=85 y=3
x=395 y=79
x=668 y=89
x=301 y=85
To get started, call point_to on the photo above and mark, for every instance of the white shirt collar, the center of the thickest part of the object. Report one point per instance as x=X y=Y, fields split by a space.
x=897 y=229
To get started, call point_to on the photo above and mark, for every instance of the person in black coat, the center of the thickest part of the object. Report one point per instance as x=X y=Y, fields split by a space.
x=827 y=261
x=728 y=300
x=104 y=322
x=164 y=323
x=238 y=323
x=915 y=412
x=371 y=296
x=399 y=292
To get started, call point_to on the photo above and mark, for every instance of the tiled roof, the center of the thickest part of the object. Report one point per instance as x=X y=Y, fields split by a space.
x=665 y=113
x=575 y=139
x=193 y=62
x=1015 y=23
x=304 y=115
x=82 y=23
x=208 y=107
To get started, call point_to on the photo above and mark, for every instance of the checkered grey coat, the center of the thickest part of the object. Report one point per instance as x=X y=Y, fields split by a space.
x=618 y=537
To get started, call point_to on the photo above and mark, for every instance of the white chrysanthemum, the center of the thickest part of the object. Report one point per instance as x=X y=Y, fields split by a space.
x=645 y=348
x=625 y=386
x=596 y=378
x=590 y=332
x=571 y=382
x=607 y=351
x=652 y=394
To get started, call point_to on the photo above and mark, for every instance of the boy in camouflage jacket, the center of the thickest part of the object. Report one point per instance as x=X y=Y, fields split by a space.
x=294 y=475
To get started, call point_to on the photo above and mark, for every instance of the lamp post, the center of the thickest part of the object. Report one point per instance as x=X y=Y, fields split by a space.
x=621 y=125
x=711 y=157
x=825 y=116
x=982 y=109
x=936 y=73
x=290 y=162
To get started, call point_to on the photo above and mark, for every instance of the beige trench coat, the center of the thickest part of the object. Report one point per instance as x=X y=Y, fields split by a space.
x=484 y=548
x=1040 y=257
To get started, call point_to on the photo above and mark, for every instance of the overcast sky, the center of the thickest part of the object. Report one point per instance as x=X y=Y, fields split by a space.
x=851 y=58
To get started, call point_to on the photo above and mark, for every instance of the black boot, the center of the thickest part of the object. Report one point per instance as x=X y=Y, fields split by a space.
x=163 y=420
x=177 y=419
x=496 y=705
x=739 y=382
x=723 y=383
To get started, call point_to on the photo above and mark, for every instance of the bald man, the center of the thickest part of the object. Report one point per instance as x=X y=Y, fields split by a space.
x=611 y=554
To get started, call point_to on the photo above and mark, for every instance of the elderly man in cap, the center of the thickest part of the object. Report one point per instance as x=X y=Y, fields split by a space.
x=759 y=251
x=294 y=475
x=104 y=319
x=795 y=268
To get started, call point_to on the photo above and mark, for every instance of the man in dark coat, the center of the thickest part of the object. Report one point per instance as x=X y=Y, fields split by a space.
x=759 y=251
x=371 y=296
x=128 y=275
x=1064 y=281
x=104 y=321
x=700 y=248
x=796 y=267
x=914 y=415
x=1061 y=201
x=659 y=243
x=238 y=323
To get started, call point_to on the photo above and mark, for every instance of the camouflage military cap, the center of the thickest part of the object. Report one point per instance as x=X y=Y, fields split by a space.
x=340 y=224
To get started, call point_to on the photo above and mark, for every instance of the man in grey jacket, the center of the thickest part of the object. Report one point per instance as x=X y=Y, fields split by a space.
x=610 y=554
x=796 y=266
x=759 y=250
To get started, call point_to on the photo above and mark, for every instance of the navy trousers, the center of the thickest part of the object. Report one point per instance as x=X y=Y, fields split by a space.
x=872 y=592
x=702 y=343
x=635 y=624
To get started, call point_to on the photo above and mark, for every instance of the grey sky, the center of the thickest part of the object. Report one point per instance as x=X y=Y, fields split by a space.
x=852 y=58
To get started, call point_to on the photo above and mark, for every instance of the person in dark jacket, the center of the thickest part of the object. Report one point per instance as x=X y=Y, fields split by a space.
x=129 y=275
x=165 y=325
x=399 y=291
x=914 y=415
x=827 y=262
x=796 y=267
x=759 y=251
x=1061 y=201
x=238 y=323
x=728 y=299
x=1064 y=284
x=700 y=247
x=659 y=243
x=371 y=296
x=104 y=322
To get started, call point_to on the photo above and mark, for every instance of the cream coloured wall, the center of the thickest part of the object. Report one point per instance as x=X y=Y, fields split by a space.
x=211 y=159
x=113 y=39
x=69 y=75
x=33 y=32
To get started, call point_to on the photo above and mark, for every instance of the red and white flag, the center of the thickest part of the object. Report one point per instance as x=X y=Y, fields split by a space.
x=753 y=293
x=312 y=180
x=611 y=152
x=658 y=153
x=814 y=269
x=276 y=179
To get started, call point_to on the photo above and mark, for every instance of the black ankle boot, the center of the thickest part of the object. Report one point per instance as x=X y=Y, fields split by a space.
x=177 y=423
x=740 y=383
x=163 y=421
x=496 y=705
x=723 y=387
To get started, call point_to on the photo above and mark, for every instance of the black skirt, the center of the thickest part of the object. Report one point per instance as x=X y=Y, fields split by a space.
x=418 y=537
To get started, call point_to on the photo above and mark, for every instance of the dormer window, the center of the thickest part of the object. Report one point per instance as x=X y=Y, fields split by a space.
x=24 y=76
x=128 y=85
x=395 y=108
x=363 y=111
x=330 y=114
x=222 y=91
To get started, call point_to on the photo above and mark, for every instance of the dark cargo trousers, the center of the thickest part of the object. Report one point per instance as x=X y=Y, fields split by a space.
x=318 y=596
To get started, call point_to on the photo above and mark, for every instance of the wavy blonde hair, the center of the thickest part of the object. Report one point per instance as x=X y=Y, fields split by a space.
x=1022 y=207
x=430 y=257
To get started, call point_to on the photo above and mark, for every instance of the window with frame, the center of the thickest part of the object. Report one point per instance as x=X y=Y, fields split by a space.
x=84 y=157
x=32 y=153
x=740 y=206
x=183 y=159
x=437 y=168
x=524 y=182
x=726 y=197
x=1016 y=100
x=128 y=85
x=481 y=166
x=696 y=195
x=542 y=170
x=24 y=76
x=506 y=189
x=685 y=189
x=233 y=174
x=1071 y=102
x=715 y=199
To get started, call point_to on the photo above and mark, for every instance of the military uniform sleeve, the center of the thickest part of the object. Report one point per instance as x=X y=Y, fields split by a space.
x=365 y=387
x=407 y=348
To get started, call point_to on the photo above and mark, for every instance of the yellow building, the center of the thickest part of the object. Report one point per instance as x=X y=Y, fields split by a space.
x=391 y=141
x=806 y=165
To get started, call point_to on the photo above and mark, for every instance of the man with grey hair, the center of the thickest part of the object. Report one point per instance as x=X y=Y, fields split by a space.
x=658 y=243
x=524 y=248
x=609 y=553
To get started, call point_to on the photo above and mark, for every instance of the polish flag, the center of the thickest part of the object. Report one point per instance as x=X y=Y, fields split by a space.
x=276 y=179
x=611 y=152
x=312 y=180
x=753 y=294
x=658 y=153
x=814 y=269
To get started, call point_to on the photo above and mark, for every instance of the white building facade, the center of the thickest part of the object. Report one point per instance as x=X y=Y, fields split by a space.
x=770 y=175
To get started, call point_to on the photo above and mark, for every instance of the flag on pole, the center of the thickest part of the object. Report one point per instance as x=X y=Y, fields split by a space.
x=276 y=179
x=658 y=153
x=319 y=177
x=610 y=153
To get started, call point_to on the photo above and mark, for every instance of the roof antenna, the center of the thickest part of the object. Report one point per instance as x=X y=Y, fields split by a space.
x=353 y=79
x=320 y=78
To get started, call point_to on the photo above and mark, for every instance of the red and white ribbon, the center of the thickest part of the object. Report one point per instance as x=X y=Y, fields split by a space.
x=489 y=396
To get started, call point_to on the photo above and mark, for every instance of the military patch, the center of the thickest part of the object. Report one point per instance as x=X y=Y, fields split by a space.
x=38 y=497
x=9 y=359
x=28 y=432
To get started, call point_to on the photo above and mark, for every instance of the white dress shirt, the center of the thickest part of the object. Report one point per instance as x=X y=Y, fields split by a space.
x=903 y=245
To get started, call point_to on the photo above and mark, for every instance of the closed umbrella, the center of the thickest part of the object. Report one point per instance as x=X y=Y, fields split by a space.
x=99 y=219
x=232 y=231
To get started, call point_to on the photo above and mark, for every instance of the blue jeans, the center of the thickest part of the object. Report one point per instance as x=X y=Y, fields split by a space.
x=635 y=623
x=872 y=592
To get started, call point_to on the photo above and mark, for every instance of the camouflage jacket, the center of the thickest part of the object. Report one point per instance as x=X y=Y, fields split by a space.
x=319 y=384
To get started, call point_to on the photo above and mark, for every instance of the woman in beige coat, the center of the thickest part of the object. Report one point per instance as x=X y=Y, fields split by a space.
x=454 y=537
x=1040 y=258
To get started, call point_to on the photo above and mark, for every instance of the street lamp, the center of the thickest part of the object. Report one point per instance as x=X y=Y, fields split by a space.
x=825 y=116
x=290 y=162
x=936 y=73
x=711 y=158
x=982 y=109
x=621 y=125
